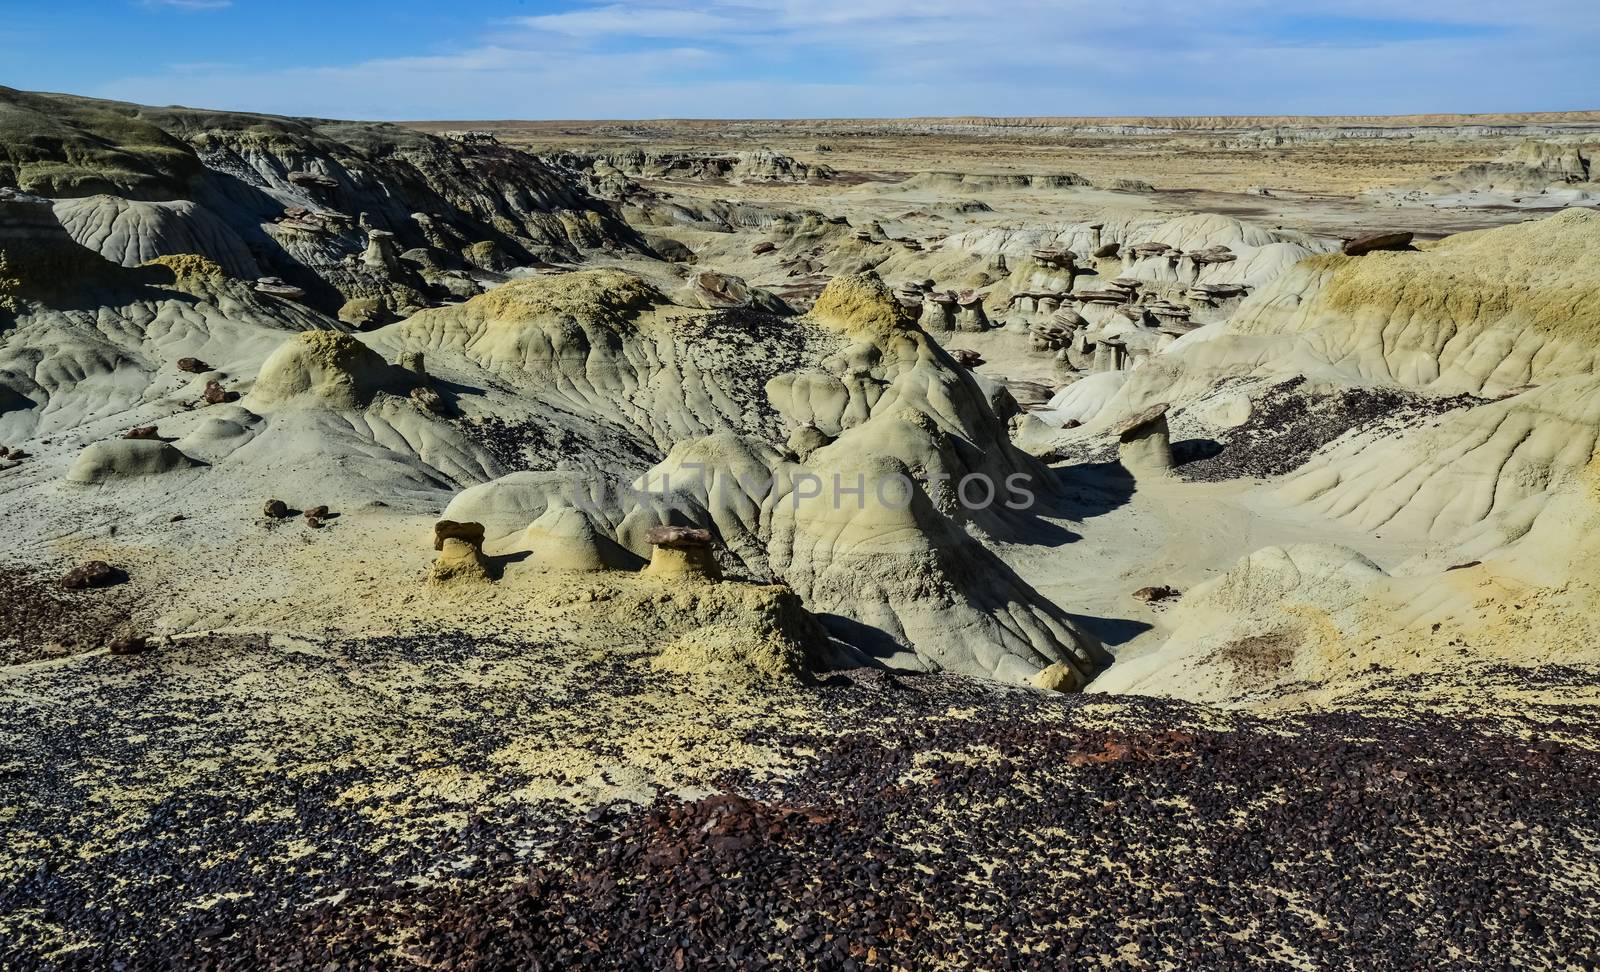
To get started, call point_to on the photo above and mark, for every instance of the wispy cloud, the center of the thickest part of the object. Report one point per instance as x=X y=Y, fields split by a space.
x=707 y=58
x=618 y=19
x=192 y=5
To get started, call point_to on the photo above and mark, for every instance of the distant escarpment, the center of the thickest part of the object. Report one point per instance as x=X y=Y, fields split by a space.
x=761 y=165
x=373 y=218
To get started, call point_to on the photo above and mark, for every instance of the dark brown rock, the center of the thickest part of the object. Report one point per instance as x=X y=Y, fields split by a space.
x=1377 y=241
x=428 y=399
x=1151 y=594
x=215 y=394
x=452 y=530
x=317 y=513
x=966 y=357
x=142 y=432
x=720 y=291
x=193 y=366
x=1137 y=421
x=314 y=180
x=93 y=574
x=129 y=645
x=275 y=509
x=679 y=537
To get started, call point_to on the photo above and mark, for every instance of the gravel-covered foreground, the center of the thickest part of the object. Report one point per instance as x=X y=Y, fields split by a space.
x=296 y=820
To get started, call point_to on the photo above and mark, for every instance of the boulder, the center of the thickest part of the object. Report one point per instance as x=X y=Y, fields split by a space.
x=1377 y=241
x=1058 y=677
x=215 y=394
x=129 y=644
x=1214 y=255
x=365 y=313
x=670 y=250
x=90 y=575
x=1153 y=594
x=193 y=366
x=275 y=509
x=489 y=255
x=806 y=439
x=718 y=291
x=429 y=400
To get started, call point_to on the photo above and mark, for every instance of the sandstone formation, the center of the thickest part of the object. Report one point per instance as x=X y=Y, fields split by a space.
x=763 y=165
x=682 y=554
x=1144 y=446
x=322 y=369
x=294 y=190
x=564 y=538
x=755 y=582
x=119 y=459
x=460 y=548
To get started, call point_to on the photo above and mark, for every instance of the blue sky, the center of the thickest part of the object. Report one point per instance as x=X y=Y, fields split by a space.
x=409 y=59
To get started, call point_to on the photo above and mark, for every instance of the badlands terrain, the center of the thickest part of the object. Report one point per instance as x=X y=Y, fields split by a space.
x=930 y=544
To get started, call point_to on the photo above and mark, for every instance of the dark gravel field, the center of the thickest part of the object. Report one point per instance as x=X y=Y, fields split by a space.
x=918 y=822
x=1288 y=424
